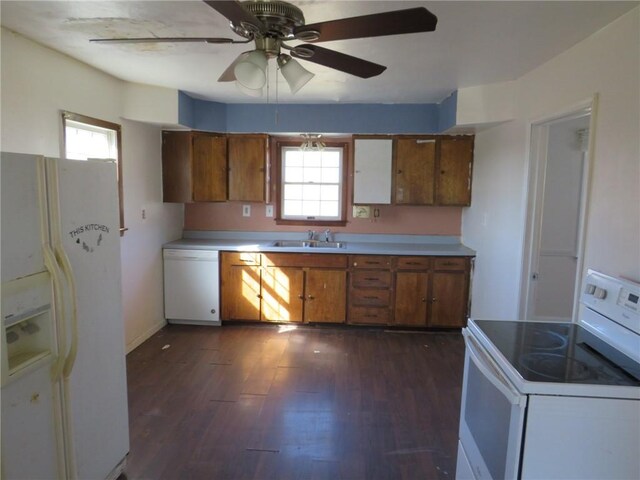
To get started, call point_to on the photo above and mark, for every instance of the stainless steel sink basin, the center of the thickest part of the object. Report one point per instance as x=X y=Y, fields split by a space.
x=307 y=244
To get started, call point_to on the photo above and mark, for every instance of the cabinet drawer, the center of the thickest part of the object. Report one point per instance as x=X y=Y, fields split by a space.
x=449 y=263
x=371 y=279
x=304 y=260
x=241 y=258
x=369 y=298
x=376 y=316
x=370 y=261
x=414 y=263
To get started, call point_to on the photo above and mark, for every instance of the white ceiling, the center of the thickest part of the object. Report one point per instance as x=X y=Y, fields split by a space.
x=475 y=43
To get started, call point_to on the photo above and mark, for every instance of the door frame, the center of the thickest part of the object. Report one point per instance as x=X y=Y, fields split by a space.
x=537 y=158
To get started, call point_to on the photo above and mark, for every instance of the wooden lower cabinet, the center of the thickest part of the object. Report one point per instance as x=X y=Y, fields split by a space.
x=326 y=296
x=449 y=299
x=410 y=308
x=376 y=290
x=283 y=287
x=282 y=294
x=240 y=286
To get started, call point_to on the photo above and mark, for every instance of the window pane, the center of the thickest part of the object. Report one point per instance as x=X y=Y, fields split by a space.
x=293 y=192
x=293 y=158
x=331 y=158
x=293 y=174
x=330 y=175
x=312 y=175
x=312 y=159
x=330 y=192
x=310 y=208
x=329 y=209
x=311 y=192
x=292 y=208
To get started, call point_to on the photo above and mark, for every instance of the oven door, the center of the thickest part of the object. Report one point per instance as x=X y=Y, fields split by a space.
x=491 y=417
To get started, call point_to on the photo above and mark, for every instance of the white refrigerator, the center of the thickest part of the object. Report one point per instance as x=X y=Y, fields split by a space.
x=64 y=392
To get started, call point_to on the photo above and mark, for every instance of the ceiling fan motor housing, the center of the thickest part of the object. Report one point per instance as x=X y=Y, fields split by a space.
x=279 y=19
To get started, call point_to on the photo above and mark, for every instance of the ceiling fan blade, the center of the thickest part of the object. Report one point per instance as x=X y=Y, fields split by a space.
x=165 y=40
x=234 y=12
x=338 y=61
x=228 y=75
x=397 y=22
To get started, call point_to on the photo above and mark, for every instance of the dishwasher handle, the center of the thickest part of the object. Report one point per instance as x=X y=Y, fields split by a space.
x=191 y=255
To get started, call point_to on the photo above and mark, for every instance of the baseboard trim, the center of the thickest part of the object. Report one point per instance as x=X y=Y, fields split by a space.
x=145 y=336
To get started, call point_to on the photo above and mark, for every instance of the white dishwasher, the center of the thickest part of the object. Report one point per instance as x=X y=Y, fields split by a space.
x=191 y=287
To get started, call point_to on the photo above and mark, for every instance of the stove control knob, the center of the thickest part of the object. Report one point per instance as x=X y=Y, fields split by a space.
x=600 y=293
x=590 y=289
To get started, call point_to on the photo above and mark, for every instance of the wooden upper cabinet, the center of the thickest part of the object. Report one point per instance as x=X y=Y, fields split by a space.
x=453 y=181
x=177 y=176
x=247 y=163
x=209 y=168
x=414 y=171
x=194 y=167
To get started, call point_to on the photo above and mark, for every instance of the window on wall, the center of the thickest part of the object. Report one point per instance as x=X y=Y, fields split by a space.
x=311 y=184
x=86 y=137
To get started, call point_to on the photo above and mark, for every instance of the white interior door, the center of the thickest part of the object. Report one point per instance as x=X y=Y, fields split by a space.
x=560 y=150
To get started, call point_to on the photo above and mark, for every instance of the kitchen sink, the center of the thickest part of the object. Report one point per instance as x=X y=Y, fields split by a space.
x=307 y=244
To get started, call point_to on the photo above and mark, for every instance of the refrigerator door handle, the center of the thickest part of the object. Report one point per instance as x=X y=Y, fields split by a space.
x=71 y=281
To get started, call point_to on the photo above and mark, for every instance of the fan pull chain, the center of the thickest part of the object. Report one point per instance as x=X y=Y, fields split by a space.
x=276 y=115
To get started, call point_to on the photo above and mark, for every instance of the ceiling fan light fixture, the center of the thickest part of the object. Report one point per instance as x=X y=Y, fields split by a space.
x=295 y=74
x=251 y=92
x=251 y=71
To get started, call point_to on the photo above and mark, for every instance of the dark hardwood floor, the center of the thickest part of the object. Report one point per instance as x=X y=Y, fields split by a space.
x=264 y=402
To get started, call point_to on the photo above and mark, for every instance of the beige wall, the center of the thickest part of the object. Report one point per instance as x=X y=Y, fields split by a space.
x=606 y=64
x=36 y=84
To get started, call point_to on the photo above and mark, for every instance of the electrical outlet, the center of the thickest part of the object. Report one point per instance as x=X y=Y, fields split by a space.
x=361 y=211
x=246 y=210
x=268 y=211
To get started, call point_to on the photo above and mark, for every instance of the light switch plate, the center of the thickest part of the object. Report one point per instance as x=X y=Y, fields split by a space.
x=361 y=211
x=246 y=210
x=268 y=211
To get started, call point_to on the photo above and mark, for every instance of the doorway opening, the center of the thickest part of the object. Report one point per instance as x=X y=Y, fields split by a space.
x=558 y=191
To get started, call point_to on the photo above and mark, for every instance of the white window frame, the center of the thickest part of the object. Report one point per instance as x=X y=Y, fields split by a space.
x=340 y=184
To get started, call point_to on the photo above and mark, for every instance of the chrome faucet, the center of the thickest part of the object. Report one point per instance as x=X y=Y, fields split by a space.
x=327 y=235
x=311 y=234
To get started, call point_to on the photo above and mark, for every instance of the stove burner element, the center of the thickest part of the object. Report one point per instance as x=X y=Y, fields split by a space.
x=554 y=367
x=542 y=339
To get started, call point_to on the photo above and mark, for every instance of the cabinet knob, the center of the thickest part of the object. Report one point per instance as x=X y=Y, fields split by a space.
x=434 y=300
x=399 y=172
x=310 y=297
x=355 y=264
x=301 y=297
x=424 y=300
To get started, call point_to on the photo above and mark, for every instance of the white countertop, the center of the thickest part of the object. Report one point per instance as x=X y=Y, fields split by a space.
x=354 y=244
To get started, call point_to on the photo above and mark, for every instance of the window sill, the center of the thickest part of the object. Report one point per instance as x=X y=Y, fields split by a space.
x=310 y=223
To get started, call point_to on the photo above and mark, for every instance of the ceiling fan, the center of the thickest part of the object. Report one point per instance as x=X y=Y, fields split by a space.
x=271 y=23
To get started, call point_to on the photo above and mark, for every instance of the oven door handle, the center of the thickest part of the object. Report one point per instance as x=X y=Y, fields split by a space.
x=490 y=370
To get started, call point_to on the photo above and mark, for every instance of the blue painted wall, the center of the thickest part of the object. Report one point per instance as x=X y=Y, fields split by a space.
x=317 y=118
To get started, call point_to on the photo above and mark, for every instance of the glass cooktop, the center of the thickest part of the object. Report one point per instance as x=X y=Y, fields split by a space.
x=560 y=353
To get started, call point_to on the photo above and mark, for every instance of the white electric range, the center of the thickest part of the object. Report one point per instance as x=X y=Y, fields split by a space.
x=545 y=400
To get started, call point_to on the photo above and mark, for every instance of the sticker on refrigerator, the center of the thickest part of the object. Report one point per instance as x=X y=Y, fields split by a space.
x=89 y=236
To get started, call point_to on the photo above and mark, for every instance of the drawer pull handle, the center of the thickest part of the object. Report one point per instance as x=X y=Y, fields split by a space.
x=370 y=297
x=370 y=315
x=449 y=264
x=372 y=279
x=373 y=263
x=413 y=263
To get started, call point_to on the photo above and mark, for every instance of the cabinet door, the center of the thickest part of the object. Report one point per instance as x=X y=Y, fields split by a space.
x=176 y=167
x=326 y=299
x=411 y=299
x=372 y=171
x=454 y=171
x=449 y=299
x=282 y=294
x=414 y=179
x=247 y=158
x=240 y=288
x=209 y=168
